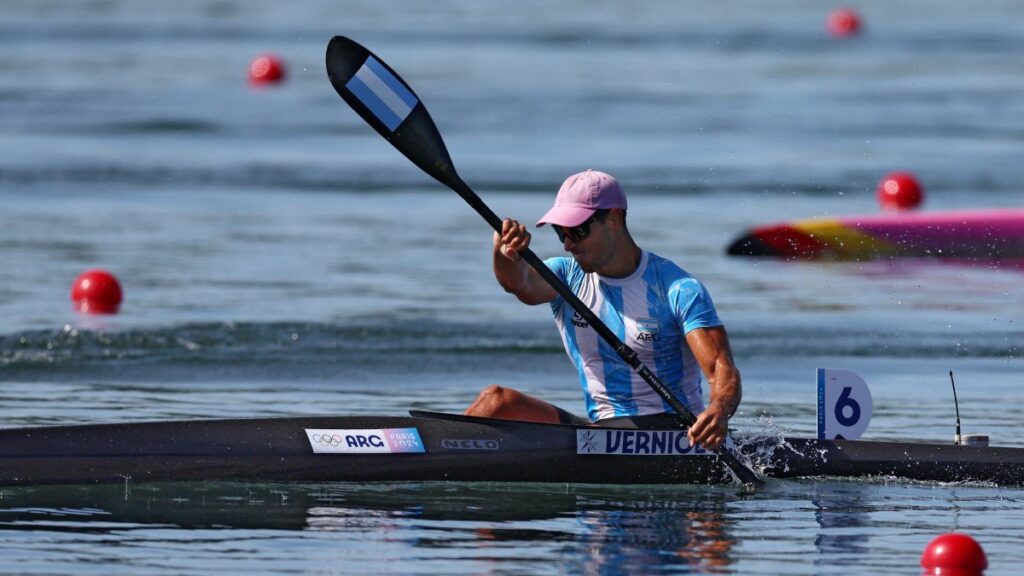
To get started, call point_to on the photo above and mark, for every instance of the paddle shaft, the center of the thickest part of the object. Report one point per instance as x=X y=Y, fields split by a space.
x=627 y=354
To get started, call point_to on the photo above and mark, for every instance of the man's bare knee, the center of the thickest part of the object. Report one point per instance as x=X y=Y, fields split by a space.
x=492 y=401
x=499 y=402
x=499 y=394
x=492 y=390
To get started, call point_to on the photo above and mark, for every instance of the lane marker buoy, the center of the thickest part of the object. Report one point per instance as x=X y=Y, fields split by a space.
x=266 y=69
x=96 y=291
x=954 y=553
x=900 y=191
x=843 y=23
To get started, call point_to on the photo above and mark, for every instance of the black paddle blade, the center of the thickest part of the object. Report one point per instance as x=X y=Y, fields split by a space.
x=386 y=102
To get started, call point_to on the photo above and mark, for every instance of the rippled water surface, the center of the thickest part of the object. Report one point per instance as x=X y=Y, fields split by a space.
x=278 y=258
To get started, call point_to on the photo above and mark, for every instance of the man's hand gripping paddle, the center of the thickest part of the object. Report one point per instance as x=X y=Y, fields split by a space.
x=389 y=105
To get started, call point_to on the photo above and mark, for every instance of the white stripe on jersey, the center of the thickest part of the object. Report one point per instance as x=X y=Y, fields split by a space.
x=635 y=305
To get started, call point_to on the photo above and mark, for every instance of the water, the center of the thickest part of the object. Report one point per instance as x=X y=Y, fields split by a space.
x=279 y=258
x=793 y=528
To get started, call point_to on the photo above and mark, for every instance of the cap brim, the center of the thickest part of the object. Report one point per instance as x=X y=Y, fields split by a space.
x=567 y=216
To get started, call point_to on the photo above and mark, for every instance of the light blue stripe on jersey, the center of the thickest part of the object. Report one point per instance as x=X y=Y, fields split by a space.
x=386 y=97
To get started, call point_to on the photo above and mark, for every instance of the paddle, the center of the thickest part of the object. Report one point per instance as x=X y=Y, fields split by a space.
x=389 y=105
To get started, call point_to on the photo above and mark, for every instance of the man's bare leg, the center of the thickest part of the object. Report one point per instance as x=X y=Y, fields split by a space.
x=509 y=404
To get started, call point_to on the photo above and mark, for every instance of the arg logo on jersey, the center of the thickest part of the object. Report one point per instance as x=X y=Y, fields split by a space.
x=648 y=330
x=365 y=441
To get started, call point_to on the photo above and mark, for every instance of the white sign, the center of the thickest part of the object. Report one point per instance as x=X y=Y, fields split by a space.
x=844 y=405
x=637 y=442
x=377 y=441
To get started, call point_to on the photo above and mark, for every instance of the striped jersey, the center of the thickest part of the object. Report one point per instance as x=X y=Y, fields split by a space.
x=651 y=311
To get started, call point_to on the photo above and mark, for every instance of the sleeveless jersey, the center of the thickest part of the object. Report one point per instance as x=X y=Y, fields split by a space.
x=651 y=311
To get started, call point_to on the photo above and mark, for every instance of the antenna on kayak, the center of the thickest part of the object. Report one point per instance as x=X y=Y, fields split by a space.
x=964 y=439
x=957 y=438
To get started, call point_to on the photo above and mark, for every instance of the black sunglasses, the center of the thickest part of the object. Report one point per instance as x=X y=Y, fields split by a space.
x=577 y=233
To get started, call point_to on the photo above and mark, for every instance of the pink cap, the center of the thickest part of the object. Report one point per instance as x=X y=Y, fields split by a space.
x=581 y=195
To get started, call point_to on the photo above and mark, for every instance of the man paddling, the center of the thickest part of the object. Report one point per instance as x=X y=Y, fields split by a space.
x=655 y=307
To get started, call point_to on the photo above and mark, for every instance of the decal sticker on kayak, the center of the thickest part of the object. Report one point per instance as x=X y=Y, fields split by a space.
x=469 y=444
x=637 y=443
x=369 y=441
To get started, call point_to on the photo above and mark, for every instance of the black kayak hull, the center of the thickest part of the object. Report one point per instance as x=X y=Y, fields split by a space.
x=925 y=461
x=453 y=448
x=279 y=449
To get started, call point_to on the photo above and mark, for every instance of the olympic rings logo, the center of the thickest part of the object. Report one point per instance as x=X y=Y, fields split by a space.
x=332 y=440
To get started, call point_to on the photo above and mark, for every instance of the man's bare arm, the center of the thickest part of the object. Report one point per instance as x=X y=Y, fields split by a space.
x=710 y=346
x=512 y=272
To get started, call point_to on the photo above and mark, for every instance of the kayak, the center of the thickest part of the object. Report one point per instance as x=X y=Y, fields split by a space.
x=427 y=446
x=963 y=234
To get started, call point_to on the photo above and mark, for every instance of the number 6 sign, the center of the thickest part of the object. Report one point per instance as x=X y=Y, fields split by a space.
x=844 y=405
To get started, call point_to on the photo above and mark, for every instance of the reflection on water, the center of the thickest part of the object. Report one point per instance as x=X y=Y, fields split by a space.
x=599 y=530
x=630 y=540
x=798 y=527
x=603 y=530
x=840 y=513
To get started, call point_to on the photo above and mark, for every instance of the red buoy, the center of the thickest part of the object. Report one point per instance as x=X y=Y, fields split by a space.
x=266 y=69
x=899 y=191
x=843 y=22
x=954 y=554
x=96 y=292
